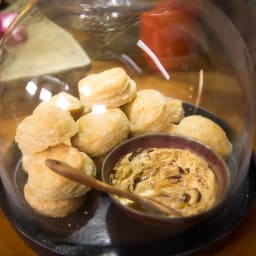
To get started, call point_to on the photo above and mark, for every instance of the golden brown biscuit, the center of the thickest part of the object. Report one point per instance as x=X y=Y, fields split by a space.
x=46 y=128
x=148 y=112
x=99 y=133
x=48 y=184
x=206 y=131
x=51 y=208
x=65 y=101
x=111 y=88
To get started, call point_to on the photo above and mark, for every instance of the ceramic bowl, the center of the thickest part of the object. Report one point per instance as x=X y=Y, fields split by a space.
x=216 y=162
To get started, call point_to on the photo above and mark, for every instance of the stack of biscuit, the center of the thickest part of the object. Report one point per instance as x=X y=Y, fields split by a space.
x=148 y=111
x=46 y=134
x=105 y=125
x=49 y=193
x=69 y=129
x=80 y=130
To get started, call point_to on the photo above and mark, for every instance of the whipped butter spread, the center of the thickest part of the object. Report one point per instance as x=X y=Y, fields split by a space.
x=176 y=178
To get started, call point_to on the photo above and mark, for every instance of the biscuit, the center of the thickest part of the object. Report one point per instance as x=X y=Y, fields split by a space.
x=43 y=129
x=50 y=185
x=111 y=88
x=65 y=101
x=99 y=133
x=51 y=208
x=206 y=131
x=148 y=112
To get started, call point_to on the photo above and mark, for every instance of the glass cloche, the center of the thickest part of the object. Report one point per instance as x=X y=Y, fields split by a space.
x=78 y=78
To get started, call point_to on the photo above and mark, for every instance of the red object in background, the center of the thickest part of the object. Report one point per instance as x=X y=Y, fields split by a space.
x=18 y=35
x=170 y=32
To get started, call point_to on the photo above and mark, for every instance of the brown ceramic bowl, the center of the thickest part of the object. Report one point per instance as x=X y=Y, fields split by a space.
x=217 y=163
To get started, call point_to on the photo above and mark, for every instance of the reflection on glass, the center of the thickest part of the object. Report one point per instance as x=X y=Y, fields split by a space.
x=85 y=90
x=63 y=103
x=154 y=58
x=99 y=109
x=45 y=95
x=31 y=87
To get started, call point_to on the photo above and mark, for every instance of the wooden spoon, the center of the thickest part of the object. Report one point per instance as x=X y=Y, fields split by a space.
x=69 y=172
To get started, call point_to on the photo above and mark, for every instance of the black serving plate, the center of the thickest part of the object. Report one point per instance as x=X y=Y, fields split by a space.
x=100 y=228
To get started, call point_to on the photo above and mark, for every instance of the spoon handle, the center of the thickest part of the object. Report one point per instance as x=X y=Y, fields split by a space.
x=69 y=172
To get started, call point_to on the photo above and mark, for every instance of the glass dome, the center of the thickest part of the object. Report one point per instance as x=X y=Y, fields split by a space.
x=187 y=52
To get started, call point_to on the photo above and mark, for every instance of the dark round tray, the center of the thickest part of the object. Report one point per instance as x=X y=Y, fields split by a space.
x=100 y=228
x=110 y=232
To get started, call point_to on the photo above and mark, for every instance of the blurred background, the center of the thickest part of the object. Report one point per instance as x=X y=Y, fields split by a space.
x=243 y=15
x=241 y=12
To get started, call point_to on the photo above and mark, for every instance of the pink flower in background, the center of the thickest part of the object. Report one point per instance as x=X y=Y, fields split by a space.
x=18 y=35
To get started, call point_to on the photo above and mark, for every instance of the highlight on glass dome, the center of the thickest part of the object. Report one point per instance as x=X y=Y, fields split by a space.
x=151 y=98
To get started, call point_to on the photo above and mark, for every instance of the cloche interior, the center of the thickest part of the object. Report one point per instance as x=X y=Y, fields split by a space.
x=187 y=50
